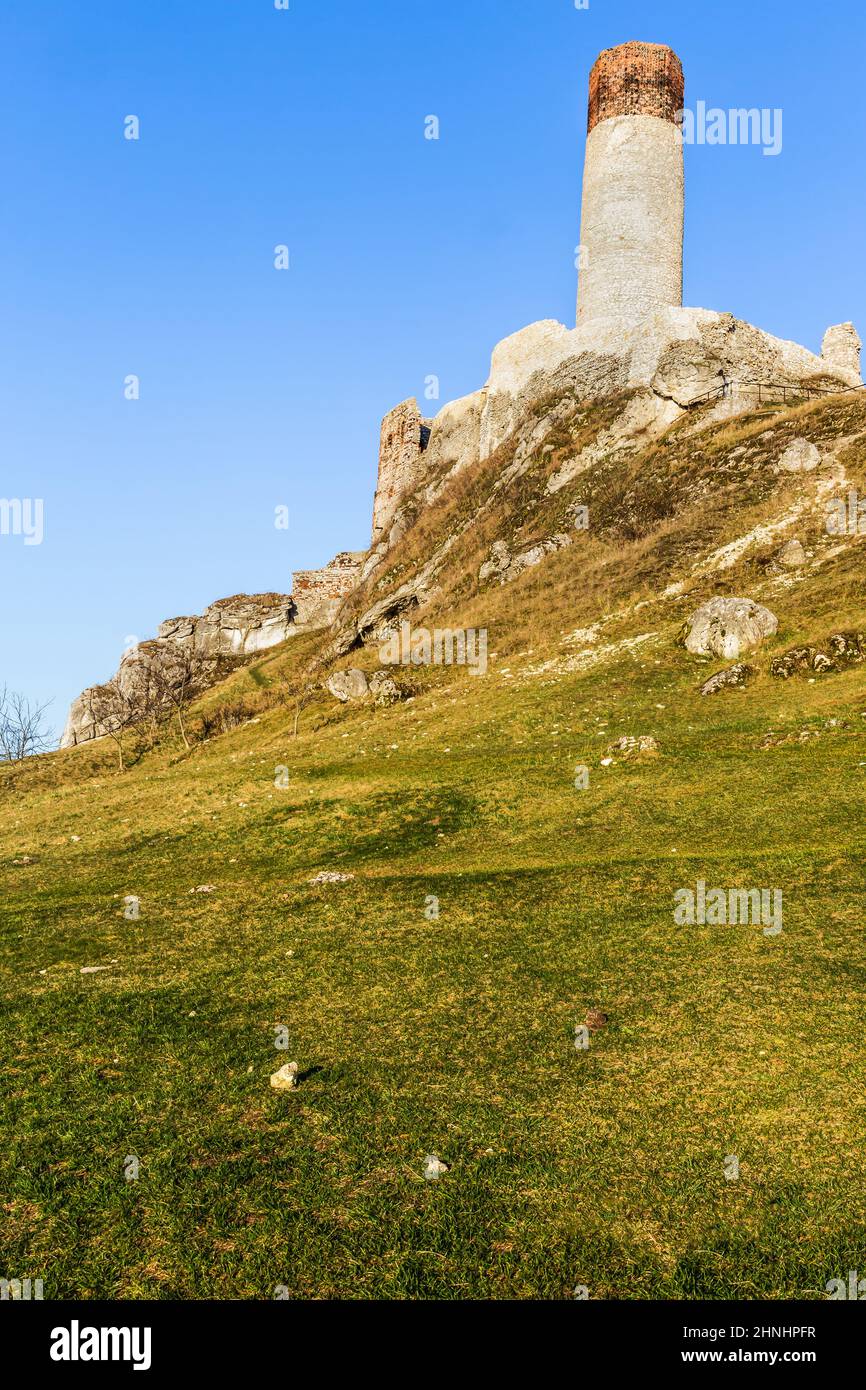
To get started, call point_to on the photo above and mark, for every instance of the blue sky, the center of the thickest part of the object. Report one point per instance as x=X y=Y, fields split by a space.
x=409 y=258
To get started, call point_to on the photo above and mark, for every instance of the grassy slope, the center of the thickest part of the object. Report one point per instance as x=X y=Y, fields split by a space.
x=603 y=1167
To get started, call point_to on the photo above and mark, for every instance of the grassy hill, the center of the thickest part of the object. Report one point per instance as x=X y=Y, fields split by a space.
x=603 y=1167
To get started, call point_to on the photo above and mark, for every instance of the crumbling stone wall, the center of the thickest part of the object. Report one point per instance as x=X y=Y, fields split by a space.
x=841 y=350
x=402 y=443
x=317 y=594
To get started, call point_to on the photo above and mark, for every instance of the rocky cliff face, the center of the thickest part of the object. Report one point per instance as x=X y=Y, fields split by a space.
x=230 y=630
x=238 y=626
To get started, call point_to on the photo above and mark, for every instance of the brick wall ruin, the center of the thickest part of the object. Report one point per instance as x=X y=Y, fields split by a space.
x=317 y=594
x=635 y=79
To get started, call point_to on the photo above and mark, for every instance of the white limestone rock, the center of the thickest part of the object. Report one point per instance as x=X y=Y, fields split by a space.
x=792 y=555
x=348 y=685
x=726 y=627
x=800 y=457
x=455 y=434
x=286 y=1079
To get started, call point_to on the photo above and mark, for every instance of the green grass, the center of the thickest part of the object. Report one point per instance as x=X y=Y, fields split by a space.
x=455 y=1036
x=603 y=1167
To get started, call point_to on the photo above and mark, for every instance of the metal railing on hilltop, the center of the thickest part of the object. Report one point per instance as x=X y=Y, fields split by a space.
x=805 y=390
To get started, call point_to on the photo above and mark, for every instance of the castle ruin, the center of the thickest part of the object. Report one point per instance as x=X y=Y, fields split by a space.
x=632 y=334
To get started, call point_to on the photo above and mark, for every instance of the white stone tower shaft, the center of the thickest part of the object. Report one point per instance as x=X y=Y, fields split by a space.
x=631 y=237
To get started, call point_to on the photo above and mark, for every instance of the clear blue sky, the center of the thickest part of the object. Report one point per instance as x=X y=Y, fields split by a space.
x=409 y=257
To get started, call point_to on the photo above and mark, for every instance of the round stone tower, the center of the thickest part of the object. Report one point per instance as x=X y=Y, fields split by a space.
x=631 y=235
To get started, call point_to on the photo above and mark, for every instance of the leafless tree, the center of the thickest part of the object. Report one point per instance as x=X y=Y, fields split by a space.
x=118 y=713
x=298 y=690
x=23 y=730
x=303 y=694
x=173 y=685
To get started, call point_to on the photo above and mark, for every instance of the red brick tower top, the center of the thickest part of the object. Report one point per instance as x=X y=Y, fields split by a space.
x=636 y=79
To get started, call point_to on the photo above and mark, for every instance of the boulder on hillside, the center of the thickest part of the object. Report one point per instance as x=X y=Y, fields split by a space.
x=348 y=685
x=384 y=689
x=732 y=678
x=792 y=555
x=726 y=627
x=800 y=457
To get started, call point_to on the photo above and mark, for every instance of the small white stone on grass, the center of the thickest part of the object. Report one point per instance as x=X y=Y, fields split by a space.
x=286 y=1079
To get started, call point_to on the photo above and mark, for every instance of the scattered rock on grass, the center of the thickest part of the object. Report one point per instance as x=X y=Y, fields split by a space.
x=384 y=689
x=801 y=659
x=286 y=1079
x=331 y=876
x=840 y=649
x=732 y=678
x=628 y=748
x=847 y=646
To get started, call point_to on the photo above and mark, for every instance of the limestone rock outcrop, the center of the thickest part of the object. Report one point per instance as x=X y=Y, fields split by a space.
x=195 y=650
x=680 y=355
x=237 y=626
x=503 y=566
x=228 y=631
